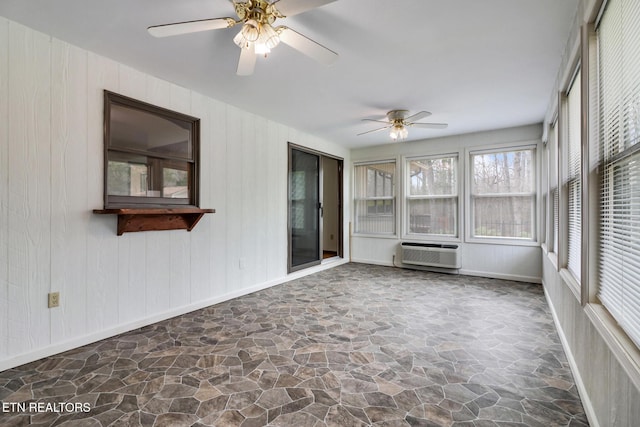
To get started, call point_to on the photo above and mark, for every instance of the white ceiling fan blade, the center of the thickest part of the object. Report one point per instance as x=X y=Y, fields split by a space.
x=429 y=125
x=307 y=46
x=418 y=116
x=374 y=130
x=294 y=7
x=376 y=121
x=190 y=27
x=247 y=61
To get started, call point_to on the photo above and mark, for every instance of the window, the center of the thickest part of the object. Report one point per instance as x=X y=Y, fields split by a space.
x=503 y=194
x=150 y=155
x=375 y=198
x=618 y=75
x=572 y=178
x=553 y=189
x=432 y=196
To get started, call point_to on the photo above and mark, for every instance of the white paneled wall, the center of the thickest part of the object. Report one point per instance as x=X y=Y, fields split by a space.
x=51 y=178
x=4 y=189
x=607 y=391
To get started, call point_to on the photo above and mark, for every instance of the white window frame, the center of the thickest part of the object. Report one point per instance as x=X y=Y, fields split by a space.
x=392 y=198
x=552 y=212
x=617 y=332
x=469 y=220
x=408 y=197
x=570 y=183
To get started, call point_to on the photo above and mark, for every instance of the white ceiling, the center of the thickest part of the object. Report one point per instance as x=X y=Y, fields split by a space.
x=476 y=65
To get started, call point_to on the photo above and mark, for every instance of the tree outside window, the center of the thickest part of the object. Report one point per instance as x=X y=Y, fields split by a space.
x=503 y=194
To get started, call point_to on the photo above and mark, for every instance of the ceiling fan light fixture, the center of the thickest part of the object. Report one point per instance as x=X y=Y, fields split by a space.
x=269 y=36
x=240 y=40
x=257 y=36
x=267 y=40
x=398 y=132
x=251 y=30
x=262 y=49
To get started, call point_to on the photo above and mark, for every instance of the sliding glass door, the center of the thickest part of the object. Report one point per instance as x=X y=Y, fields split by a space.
x=304 y=209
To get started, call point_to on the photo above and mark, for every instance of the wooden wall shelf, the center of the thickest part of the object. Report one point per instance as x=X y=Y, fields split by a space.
x=148 y=219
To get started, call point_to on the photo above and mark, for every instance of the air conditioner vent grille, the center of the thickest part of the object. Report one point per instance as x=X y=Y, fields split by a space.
x=429 y=254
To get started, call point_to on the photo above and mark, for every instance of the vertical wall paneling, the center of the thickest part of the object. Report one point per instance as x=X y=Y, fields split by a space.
x=180 y=241
x=105 y=278
x=631 y=409
x=249 y=211
x=276 y=207
x=262 y=191
x=51 y=178
x=4 y=184
x=69 y=214
x=133 y=83
x=597 y=379
x=607 y=391
x=218 y=169
x=234 y=199
x=158 y=249
x=29 y=188
x=201 y=242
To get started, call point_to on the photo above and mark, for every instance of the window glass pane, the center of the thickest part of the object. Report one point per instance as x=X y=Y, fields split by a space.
x=139 y=130
x=175 y=183
x=128 y=177
x=510 y=217
x=553 y=184
x=139 y=176
x=503 y=172
x=573 y=181
x=433 y=176
x=433 y=216
x=151 y=155
x=379 y=182
x=374 y=198
x=503 y=194
x=375 y=216
x=556 y=218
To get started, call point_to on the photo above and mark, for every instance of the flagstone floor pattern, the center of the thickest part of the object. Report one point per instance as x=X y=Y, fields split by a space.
x=356 y=345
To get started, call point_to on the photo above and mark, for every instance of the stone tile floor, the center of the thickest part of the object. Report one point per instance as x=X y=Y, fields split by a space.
x=355 y=345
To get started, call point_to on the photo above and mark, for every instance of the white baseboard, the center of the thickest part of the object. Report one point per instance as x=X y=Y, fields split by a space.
x=464 y=272
x=582 y=390
x=372 y=262
x=60 y=347
x=503 y=276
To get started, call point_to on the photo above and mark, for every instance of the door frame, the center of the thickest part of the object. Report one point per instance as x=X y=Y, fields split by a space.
x=321 y=155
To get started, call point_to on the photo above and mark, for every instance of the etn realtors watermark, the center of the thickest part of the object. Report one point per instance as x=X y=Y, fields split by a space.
x=44 y=407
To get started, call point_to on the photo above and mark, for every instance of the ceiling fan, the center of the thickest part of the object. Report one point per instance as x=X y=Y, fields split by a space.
x=399 y=120
x=258 y=36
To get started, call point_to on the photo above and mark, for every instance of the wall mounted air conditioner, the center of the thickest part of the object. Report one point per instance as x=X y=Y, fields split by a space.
x=431 y=254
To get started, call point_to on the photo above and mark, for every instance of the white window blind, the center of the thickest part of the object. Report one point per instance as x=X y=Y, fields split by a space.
x=432 y=196
x=553 y=187
x=375 y=198
x=573 y=181
x=556 y=218
x=619 y=152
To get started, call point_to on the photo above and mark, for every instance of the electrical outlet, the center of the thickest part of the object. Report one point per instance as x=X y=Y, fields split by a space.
x=54 y=299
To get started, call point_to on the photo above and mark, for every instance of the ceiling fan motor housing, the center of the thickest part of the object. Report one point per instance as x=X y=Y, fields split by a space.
x=261 y=11
x=397 y=115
